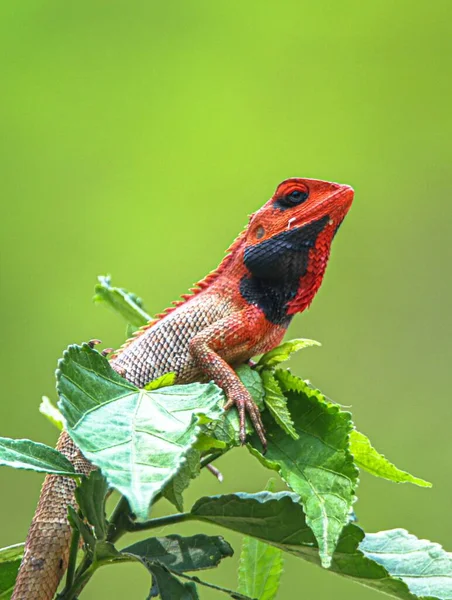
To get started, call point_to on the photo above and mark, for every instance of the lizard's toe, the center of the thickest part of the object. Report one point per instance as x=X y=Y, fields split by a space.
x=246 y=405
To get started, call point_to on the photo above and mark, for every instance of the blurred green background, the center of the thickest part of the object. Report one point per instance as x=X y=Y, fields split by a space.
x=137 y=136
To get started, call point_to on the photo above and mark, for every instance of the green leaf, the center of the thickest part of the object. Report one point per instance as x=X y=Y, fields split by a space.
x=10 y=559
x=260 y=566
x=125 y=303
x=51 y=412
x=227 y=430
x=253 y=383
x=170 y=588
x=365 y=455
x=33 y=456
x=372 y=461
x=183 y=553
x=276 y=403
x=318 y=465
x=206 y=442
x=272 y=517
x=392 y=562
x=94 y=531
x=138 y=438
x=284 y=351
x=260 y=569
x=189 y=470
x=162 y=381
x=85 y=530
x=176 y=554
x=105 y=553
x=424 y=566
x=91 y=496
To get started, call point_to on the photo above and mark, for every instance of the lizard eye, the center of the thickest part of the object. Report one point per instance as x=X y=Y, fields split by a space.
x=297 y=197
x=293 y=198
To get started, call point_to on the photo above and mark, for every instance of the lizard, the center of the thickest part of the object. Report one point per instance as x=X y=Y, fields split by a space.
x=243 y=308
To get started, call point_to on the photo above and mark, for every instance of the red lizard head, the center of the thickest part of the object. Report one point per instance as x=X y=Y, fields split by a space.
x=279 y=260
x=288 y=242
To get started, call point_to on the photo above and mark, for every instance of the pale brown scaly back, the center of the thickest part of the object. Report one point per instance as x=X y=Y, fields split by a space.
x=47 y=546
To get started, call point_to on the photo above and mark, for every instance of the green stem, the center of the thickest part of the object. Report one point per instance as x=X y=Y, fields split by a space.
x=160 y=522
x=79 y=583
x=72 y=561
x=211 y=457
x=68 y=591
x=119 y=520
x=235 y=595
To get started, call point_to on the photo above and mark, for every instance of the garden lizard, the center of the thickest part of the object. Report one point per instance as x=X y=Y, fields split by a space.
x=243 y=308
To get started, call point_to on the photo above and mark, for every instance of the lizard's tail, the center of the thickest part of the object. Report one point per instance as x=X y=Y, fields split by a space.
x=47 y=546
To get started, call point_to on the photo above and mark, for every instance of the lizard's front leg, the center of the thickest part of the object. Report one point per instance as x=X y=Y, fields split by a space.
x=227 y=341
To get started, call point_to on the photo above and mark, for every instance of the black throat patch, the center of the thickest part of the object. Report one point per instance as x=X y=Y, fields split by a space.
x=276 y=266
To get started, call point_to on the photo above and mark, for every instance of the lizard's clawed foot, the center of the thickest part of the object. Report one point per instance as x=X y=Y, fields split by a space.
x=246 y=405
x=94 y=342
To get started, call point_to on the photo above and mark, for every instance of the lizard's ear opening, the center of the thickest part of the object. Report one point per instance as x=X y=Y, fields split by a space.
x=259 y=232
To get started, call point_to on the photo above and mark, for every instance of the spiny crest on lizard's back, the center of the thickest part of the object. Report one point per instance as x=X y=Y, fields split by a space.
x=198 y=287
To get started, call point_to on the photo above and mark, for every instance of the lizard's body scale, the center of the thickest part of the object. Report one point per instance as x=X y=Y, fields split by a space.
x=240 y=310
x=47 y=546
x=172 y=335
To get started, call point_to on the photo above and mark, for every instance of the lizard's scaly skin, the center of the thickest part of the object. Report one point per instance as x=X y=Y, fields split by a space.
x=272 y=271
x=47 y=545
